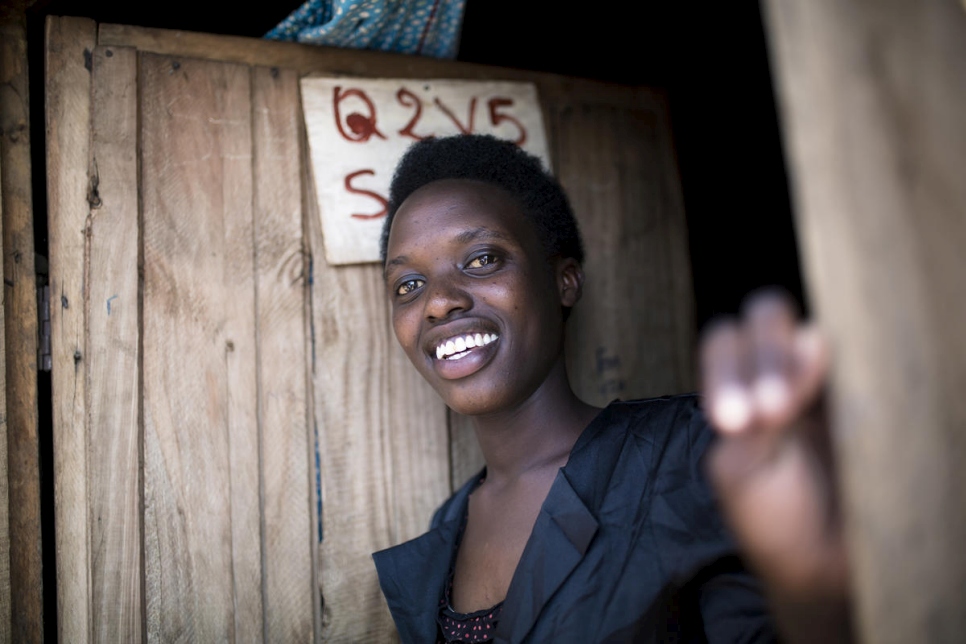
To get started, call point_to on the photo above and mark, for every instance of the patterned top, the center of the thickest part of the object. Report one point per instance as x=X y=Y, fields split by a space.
x=457 y=628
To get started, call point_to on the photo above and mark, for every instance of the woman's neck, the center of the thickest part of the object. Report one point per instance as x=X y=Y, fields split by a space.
x=537 y=434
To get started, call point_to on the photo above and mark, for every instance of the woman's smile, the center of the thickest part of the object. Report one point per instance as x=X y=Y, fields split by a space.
x=463 y=355
x=460 y=346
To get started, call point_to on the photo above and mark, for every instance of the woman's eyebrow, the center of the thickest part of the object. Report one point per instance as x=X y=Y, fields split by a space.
x=480 y=233
x=395 y=261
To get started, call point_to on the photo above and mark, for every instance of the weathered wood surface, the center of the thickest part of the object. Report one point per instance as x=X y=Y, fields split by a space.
x=873 y=95
x=5 y=613
x=227 y=214
x=280 y=274
x=20 y=555
x=201 y=494
x=114 y=479
x=631 y=334
x=70 y=43
x=416 y=426
x=353 y=62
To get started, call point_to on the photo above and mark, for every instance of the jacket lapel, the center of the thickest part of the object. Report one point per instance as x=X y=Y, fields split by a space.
x=565 y=527
x=561 y=536
x=412 y=574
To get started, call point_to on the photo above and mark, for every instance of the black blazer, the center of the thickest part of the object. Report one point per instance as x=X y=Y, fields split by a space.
x=628 y=546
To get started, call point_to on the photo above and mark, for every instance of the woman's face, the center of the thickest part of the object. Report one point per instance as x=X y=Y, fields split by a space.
x=475 y=303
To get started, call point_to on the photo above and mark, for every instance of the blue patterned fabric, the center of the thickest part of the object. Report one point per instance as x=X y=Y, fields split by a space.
x=424 y=27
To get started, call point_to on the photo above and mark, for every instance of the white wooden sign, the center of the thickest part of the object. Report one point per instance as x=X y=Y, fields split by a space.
x=359 y=128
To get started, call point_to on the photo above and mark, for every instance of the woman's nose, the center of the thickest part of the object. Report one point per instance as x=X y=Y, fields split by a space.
x=445 y=298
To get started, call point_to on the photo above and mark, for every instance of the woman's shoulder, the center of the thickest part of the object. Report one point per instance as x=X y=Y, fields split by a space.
x=665 y=422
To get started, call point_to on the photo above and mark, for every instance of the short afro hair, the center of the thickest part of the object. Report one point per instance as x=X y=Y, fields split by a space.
x=480 y=157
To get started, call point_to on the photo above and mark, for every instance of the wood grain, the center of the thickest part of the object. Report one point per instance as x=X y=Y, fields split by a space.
x=873 y=96
x=385 y=459
x=416 y=425
x=70 y=43
x=5 y=614
x=631 y=334
x=112 y=351
x=351 y=402
x=280 y=270
x=201 y=496
x=22 y=616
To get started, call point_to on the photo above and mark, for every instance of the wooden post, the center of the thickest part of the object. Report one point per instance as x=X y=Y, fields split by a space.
x=22 y=601
x=873 y=97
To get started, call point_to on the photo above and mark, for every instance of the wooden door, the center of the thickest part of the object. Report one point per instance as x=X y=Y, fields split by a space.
x=235 y=428
x=874 y=97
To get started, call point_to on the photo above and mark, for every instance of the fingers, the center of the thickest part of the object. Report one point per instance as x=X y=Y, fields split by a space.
x=762 y=371
x=770 y=326
x=724 y=370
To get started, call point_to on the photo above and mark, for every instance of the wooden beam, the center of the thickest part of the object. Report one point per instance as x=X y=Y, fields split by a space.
x=307 y=59
x=873 y=97
x=202 y=552
x=291 y=597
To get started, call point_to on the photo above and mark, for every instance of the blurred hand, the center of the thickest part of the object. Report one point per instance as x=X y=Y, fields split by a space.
x=763 y=377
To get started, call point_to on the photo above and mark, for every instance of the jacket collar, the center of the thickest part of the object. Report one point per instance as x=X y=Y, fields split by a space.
x=412 y=575
x=565 y=527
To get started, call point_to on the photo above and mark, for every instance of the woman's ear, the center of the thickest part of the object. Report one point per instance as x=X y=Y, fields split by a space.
x=570 y=281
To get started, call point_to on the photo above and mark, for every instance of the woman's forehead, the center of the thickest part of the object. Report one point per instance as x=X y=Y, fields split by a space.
x=463 y=207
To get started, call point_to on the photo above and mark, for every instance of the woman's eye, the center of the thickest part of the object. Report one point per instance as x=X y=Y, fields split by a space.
x=409 y=286
x=481 y=261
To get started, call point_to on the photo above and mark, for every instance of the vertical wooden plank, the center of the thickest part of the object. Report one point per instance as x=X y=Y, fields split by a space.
x=201 y=496
x=112 y=351
x=310 y=228
x=70 y=43
x=632 y=333
x=290 y=584
x=873 y=94
x=5 y=614
x=22 y=612
x=350 y=388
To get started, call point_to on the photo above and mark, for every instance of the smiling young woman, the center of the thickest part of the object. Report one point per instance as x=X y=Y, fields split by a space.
x=586 y=525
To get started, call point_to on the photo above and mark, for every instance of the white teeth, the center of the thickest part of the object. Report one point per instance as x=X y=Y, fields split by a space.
x=455 y=348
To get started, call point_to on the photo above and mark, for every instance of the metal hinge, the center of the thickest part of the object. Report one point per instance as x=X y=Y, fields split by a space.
x=43 y=309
